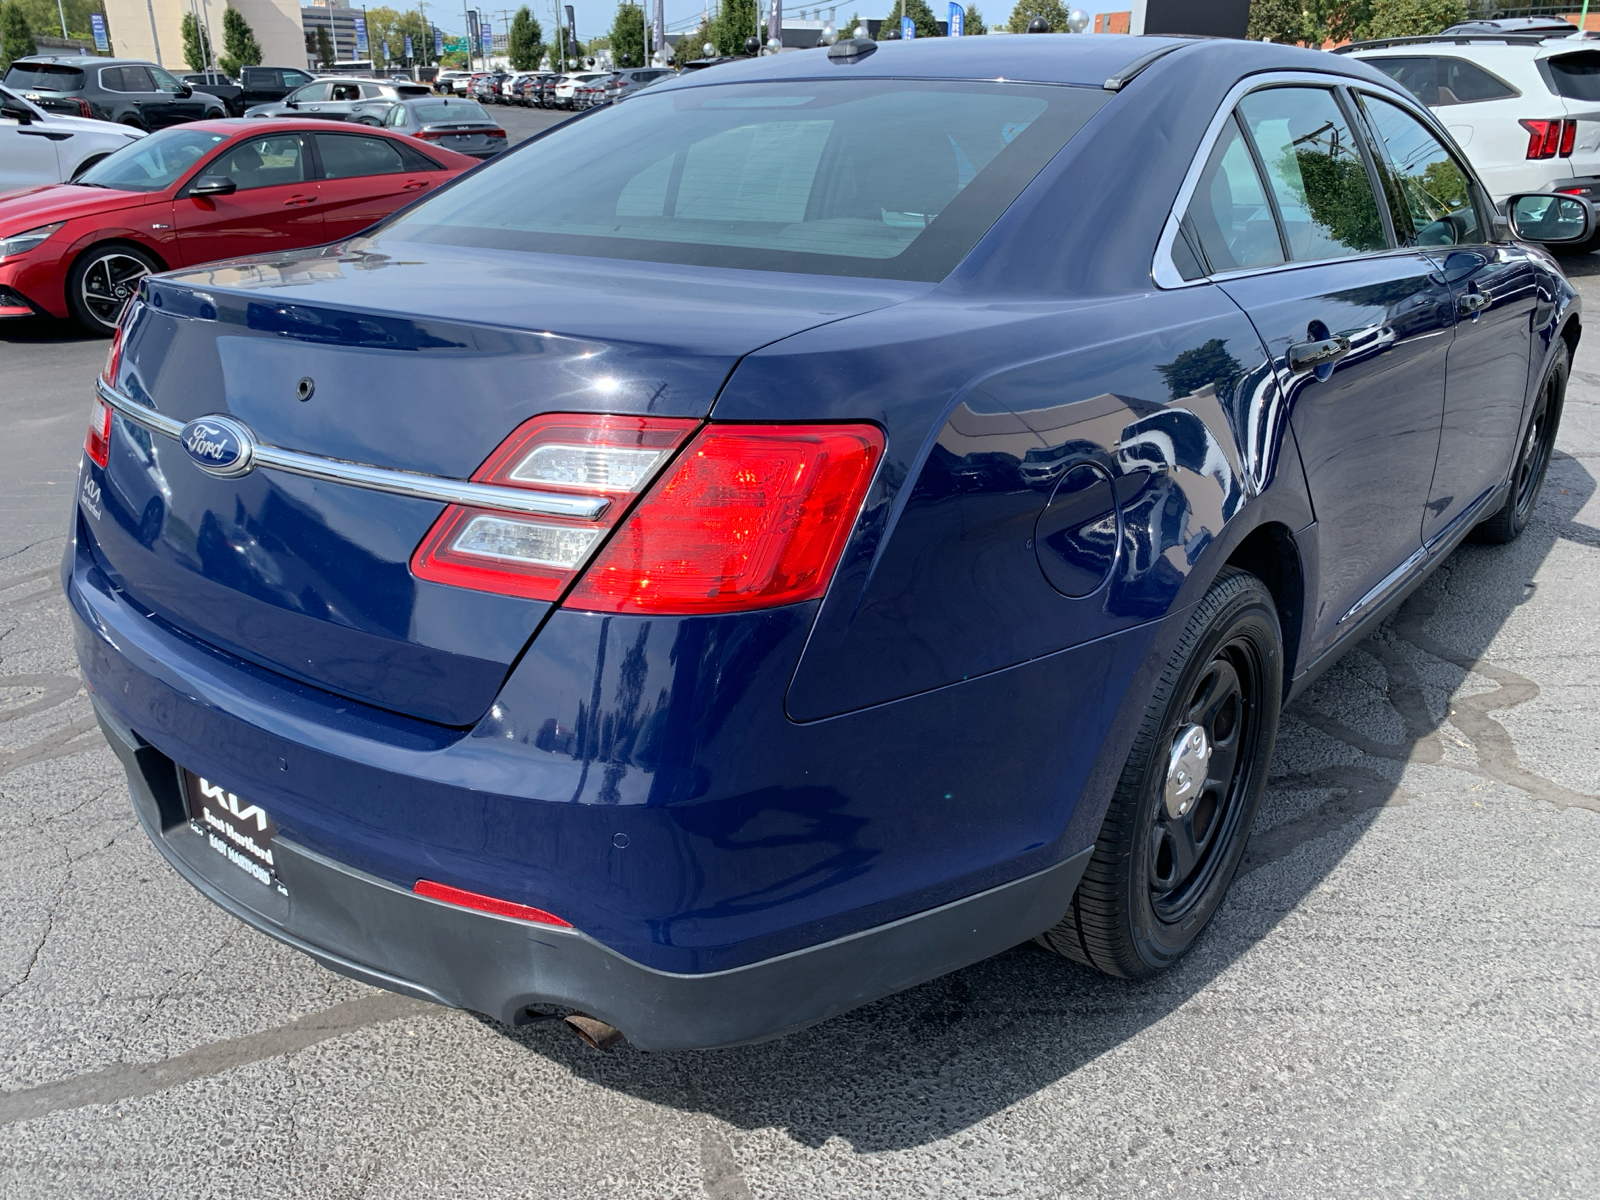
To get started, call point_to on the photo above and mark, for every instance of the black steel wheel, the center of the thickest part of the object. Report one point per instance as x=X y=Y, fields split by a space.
x=1533 y=458
x=1180 y=818
x=103 y=280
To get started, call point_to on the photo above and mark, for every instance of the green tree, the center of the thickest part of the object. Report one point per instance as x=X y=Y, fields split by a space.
x=240 y=48
x=193 y=52
x=691 y=45
x=1053 y=11
x=325 y=54
x=1411 y=18
x=525 y=46
x=922 y=17
x=627 y=35
x=1208 y=363
x=1277 y=21
x=16 y=39
x=736 y=22
x=848 y=29
x=974 y=23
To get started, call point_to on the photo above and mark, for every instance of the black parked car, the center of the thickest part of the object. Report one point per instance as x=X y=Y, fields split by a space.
x=223 y=87
x=266 y=85
x=127 y=91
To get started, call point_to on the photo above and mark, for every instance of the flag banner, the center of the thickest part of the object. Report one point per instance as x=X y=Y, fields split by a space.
x=958 y=19
x=361 y=35
x=438 y=43
x=658 y=36
x=97 y=23
x=472 y=31
x=908 y=29
x=408 y=45
x=385 y=50
x=572 y=32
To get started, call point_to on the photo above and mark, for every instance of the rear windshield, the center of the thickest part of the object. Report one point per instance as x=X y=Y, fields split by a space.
x=459 y=110
x=1576 y=76
x=47 y=77
x=152 y=163
x=893 y=179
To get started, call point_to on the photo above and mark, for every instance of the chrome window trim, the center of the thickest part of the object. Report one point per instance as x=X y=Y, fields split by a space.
x=1163 y=271
x=377 y=479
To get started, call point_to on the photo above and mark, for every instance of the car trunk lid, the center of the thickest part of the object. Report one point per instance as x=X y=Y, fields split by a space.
x=423 y=361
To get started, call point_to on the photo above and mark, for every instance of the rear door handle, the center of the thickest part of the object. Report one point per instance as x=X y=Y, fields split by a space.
x=1470 y=304
x=294 y=200
x=1308 y=356
x=414 y=185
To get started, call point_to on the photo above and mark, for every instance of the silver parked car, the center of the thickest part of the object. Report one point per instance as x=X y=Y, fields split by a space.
x=459 y=125
x=360 y=101
x=39 y=147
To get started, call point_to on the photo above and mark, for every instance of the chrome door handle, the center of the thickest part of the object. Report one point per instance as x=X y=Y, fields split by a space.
x=1308 y=356
x=1470 y=304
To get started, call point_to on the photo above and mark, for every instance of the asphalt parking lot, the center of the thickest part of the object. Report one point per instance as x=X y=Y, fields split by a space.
x=1398 y=999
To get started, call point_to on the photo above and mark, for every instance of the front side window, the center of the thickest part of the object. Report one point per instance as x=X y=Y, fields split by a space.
x=264 y=162
x=153 y=163
x=1436 y=206
x=312 y=93
x=1315 y=172
x=1230 y=215
x=882 y=178
x=294 y=78
x=348 y=155
x=164 y=82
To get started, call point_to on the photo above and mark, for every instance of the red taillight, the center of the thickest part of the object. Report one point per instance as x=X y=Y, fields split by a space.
x=501 y=908
x=749 y=516
x=97 y=445
x=1546 y=139
x=84 y=110
x=113 y=357
x=499 y=133
x=610 y=458
x=429 y=135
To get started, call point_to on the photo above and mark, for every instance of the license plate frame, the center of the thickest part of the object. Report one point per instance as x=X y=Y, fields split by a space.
x=235 y=828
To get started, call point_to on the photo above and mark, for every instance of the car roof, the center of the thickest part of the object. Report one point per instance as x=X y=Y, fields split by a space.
x=81 y=60
x=1487 y=49
x=1035 y=58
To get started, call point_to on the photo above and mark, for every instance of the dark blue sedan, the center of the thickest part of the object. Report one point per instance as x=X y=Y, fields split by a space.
x=812 y=527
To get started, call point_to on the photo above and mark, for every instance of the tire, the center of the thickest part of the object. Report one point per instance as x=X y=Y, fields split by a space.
x=1533 y=458
x=1168 y=850
x=101 y=282
x=369 y=122
x=132 y=123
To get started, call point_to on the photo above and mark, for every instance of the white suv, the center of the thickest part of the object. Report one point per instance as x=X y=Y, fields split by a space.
x=1524 y=107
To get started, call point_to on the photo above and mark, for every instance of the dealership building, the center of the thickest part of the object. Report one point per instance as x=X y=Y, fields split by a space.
x=153 y=29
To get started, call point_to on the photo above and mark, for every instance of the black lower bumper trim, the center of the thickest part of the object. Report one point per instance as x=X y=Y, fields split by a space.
x=371 y=930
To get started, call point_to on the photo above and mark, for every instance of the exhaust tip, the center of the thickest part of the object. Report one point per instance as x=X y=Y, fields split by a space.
x=597 y=1035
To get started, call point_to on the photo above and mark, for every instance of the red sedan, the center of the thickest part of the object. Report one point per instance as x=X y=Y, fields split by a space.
x=196 y=193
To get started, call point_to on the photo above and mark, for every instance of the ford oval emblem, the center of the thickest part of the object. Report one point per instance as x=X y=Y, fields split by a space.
x=219 y=446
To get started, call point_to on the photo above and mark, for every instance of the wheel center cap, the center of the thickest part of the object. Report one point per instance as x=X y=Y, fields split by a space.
x=1186 y=769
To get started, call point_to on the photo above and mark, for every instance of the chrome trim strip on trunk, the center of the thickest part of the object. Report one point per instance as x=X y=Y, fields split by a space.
x=377 y=479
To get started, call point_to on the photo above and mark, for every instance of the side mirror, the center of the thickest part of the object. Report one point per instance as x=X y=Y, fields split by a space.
x=185 y=91
x=20 y=115
x=213 y=185
x=291 y=103
x=1543 y=217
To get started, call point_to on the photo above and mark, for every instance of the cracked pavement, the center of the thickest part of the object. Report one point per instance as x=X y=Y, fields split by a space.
x=1398 y=998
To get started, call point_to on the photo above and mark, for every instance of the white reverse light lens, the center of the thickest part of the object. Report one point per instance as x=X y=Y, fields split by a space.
x=505 y=538
x=604 y=468
x=21 y=243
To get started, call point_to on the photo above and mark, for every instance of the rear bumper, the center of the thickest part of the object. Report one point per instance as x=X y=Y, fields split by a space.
x=374 y=931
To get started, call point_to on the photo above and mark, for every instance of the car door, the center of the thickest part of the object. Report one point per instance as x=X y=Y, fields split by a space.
x=27 y=148
x=1358 y=330
x=155 y=107
x=365 y=177
x=310 y=100
x=1439 y=208
x=371 y=106
x=275 y=206
x=343 y=99
x=180 y=102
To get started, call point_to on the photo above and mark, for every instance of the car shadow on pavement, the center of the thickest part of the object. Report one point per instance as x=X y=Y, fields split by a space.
x=44 y=330
x=932 y=1061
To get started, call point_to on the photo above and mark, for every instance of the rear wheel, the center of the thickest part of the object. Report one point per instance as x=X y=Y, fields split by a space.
x=1533 y=458
x=1181 y=815
x=102 y=282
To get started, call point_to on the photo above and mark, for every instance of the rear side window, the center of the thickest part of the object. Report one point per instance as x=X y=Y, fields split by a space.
x=1576 y=76
x=44 y=77
x=1315 y=173
x=259 y=77
x=1442 y=81
x=887 y=178
x=137 y=79
x=1229 y=215
x=348 y=155
x=1437 y=195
